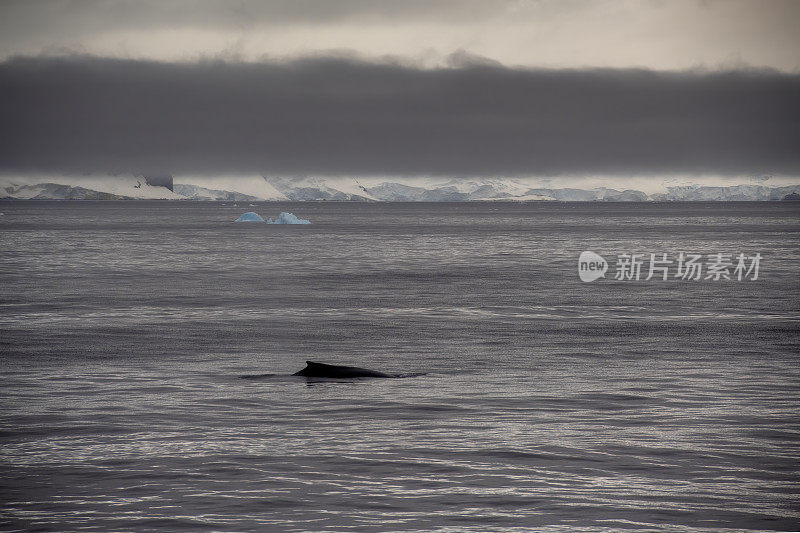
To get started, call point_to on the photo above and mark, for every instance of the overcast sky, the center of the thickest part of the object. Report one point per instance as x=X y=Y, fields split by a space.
x=657 y=34
x=416 y=87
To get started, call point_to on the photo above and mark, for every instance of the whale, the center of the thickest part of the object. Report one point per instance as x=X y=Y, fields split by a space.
x=323 y=370
x=314 y=371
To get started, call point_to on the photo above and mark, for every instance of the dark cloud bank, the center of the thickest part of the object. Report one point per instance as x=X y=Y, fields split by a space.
x=333 y=115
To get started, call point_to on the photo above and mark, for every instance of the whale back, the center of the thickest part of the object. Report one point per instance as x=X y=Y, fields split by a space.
x=322 y=370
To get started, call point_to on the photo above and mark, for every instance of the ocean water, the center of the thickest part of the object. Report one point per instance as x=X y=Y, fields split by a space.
x=546 y=403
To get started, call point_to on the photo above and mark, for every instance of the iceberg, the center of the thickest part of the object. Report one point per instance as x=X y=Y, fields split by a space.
x=251 y=217
x=287 y=218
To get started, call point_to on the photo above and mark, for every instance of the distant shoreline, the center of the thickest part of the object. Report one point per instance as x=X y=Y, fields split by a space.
x=428 y=202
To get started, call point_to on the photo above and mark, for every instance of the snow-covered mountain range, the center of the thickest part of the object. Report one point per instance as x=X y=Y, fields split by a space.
x=260 y=188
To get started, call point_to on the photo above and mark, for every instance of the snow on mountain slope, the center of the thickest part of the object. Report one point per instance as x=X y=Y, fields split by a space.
x=350 y=186
x=488 y=187
x=522 y=198
x=194 y=192
x=311 y=188
x=694 y=193
x=215 y=187
x=21 y=191
x=82 y=188
x=591 y=195
x=344 y=188
x=452 y=190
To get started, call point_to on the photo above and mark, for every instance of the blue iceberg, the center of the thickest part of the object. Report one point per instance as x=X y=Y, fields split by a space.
x=250 y=217
x=287 y=218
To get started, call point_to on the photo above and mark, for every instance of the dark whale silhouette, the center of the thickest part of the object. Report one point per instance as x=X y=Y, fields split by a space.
x=321 y=370
x=326 y=371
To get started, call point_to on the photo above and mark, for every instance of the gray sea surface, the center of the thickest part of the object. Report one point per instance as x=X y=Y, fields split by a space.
x=545 y=404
